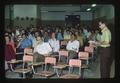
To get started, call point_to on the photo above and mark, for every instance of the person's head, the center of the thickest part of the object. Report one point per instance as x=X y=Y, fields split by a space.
x=76 y=32
x=7 y=39
x=53 y=35
x=6 y=33
x=38 y=38
x=46 y=33
x=102 y=24
x=24 y=35
x=23 y=31
x=73 y=37
x=19 y=37
x=37 y=33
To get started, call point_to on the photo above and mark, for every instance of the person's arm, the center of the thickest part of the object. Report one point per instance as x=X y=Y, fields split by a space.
x=19 y=43
x=106 y=40
x=57 y=46
x=76 y=46
x=68 y=46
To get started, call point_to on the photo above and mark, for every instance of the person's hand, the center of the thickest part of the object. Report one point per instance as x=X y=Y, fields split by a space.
x=46 y=54
x=97 y=44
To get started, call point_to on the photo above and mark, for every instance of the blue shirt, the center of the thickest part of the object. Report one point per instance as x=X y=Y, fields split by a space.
x=26 y=43
x=59 y=36
x=33 y=39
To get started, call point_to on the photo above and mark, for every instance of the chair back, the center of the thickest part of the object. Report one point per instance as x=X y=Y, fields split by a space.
x=84 y=55
x=28 y=50
x=89 y=49
x=63 y=53
x=50 y=60
x=75 y=63
x=64 y=42
x=27 y=58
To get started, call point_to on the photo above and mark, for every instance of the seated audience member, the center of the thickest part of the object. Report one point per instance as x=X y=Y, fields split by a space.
x=24 y=43
x=9 y=51
x=85 y=33
x=31 y=35
x=59 y=35
x=54 y=43
x=17 y=32
x=46 y=36
x=11 y=40
x=66 y=35
x=41 y=50
x=92 y=36
x=73 y=47
x=35 y=35
x=80 y=39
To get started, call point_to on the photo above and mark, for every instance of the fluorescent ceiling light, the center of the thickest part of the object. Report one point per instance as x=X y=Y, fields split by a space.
x=88 y=9
x=93 y=5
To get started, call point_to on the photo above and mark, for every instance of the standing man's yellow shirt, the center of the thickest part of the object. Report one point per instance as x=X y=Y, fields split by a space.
x=106 y=37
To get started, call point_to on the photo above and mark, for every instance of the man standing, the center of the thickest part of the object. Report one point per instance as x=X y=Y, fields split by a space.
x=105 y=55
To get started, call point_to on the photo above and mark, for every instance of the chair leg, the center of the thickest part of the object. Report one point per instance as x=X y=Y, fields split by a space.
x=82 y=73
x=11 y=67
x=57 y=72
x=23 y=75
x=42 y=67
x=67 y=60
x=33 y=69
x=59 y=59
x=87 y=62
x=61 y=71
x=45 y=67
x=69 y=69
x=54 y=69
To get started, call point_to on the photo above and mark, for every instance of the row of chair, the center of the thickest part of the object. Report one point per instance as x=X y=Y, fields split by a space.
x=28 y=57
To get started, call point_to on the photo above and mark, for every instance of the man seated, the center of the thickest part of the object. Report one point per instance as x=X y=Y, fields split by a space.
x=25 y=42
x=73 y=47
x=41 y=50
x=54 y=43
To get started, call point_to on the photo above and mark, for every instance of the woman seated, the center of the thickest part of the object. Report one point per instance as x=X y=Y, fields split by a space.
x=9 y=50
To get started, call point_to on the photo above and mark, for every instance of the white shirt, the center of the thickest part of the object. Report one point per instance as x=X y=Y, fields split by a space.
x=54 y=44
x=43 y=48
x=74 y=46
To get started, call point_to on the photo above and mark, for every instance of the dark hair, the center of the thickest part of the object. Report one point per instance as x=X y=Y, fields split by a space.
x=103 y=21
x=74 y=35
x=8 y=37
x=39 y=33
